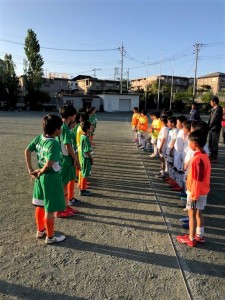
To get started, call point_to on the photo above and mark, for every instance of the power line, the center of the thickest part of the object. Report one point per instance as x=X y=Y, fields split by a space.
x=62 y=49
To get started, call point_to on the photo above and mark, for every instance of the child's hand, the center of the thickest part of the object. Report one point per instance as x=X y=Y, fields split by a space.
x=35 y=174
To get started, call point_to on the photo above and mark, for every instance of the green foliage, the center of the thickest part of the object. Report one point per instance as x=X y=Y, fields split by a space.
x=33 y=71
x=9 y=83
x=206 y=97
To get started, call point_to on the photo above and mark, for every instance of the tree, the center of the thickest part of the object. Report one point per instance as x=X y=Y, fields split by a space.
x=33 y=69
x=11 y=82
x=206 y=97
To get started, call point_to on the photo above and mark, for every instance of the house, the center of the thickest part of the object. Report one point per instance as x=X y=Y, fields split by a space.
x=179 y=83
x=92 y=85
x=119 y=102
x=81 y=101
x=213 y=81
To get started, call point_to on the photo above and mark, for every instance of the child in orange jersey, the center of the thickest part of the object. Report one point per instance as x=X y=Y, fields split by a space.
x=198 y=187
x=142 y=131
x=134 y=123
x=156 y=126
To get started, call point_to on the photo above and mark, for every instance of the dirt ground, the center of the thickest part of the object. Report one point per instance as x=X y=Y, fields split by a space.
x=119 y=246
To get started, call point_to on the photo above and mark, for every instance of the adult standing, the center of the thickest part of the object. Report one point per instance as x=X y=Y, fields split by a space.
x=194 y=113
x=214 y=127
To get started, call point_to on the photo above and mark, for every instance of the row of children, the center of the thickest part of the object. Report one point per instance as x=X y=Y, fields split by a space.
x=63 y=150
x=184 y=163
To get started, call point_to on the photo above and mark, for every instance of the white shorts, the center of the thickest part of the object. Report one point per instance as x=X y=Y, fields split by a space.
x=200 y=203
x=178 y=160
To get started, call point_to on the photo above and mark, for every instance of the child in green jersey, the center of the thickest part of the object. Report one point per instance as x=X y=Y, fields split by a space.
x=86 y=159
x=48 y=188
x=68 y=157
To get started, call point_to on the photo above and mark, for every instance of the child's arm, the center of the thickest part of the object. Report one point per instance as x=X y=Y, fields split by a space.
x=172 y=147
x=28 y=162
x=44 y=169
x=90 y=156
x=71 y=152
x=162 y=143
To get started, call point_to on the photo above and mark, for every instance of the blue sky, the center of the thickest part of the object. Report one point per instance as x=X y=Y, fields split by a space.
x=148 y=29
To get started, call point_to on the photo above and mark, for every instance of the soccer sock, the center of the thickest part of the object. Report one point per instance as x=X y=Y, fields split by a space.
x=83 y=183
x=71 y=186
x=200 y=231
x=49 y=224
x=39 y=217
x=155 y=149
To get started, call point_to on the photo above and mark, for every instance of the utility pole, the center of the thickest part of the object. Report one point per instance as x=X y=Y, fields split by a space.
x=196 y=67
x=116 y=73
x=121 y=72
x=94 y=70
x=127 y=79
x=171 y=91
x=159 y=80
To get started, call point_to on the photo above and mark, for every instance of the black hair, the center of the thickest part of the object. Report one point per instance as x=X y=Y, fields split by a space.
x=84 y=116
x=200 y=125
x=173 y=120
x=197 y=137
x=77 y=119
x=187 y=124
x=156 y=114
x=164 y=119
x=144 y=112
x=135 y=108
x=85 y=126
x=181 y=118
x=215 y=99
x=67 y=111
x=50 y=123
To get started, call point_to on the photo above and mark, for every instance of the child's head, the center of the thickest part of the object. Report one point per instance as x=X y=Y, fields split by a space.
x=187 y=126
x=68 y=112
x=144 y=112
x=52 y=125
x=85 y=126
x=84 y=117
x=197 y=139
x=135 y=109
x=214 y=101
x=180 y=121
x=71 y=125
x=164 y=120
x=200 y=125
x=156 y=115
x=172 y=122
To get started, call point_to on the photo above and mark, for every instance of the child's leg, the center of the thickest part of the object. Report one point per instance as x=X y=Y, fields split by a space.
x=83 y=183
x=66 y=194
x=192 y=223
x=200 y=223
x=70 y=191
x=39 y=217
x=49 y=224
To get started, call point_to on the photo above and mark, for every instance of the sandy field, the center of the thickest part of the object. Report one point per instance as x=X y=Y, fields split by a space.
x=122 y=245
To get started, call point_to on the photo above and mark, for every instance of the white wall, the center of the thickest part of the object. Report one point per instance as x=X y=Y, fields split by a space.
x=111 y=102
x=78 y=102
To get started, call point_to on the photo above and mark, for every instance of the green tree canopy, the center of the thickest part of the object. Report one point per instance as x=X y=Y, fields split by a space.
x=33 y=71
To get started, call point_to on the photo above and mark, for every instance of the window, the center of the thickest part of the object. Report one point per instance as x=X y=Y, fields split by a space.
x=213 y=79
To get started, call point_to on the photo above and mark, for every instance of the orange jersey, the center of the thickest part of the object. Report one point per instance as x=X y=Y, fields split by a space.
x=198 y=180
x=135 y=119
x=143 y=123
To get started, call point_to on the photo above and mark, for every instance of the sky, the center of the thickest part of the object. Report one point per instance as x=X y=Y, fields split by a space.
x=85 y=37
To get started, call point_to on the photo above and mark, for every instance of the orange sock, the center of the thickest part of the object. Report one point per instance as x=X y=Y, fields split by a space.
x=49 y=225
x=71 y=186
x=39 y=217
x=83 y=183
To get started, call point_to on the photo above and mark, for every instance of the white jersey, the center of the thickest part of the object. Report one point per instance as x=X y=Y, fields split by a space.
x=163 y=134
x=179 y=144
x=171 y=138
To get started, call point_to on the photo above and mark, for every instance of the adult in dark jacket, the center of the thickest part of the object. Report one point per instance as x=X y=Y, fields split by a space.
x=214 y=127
x=194 y=113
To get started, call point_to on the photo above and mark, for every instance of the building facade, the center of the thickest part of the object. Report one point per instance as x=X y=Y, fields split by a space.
x=213 y=81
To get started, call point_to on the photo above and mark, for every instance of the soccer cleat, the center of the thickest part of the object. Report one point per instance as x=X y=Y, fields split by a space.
x=40 y=234
x=177 y=188
x=64 y=214
x=185 y=225
x=185 y=219
x=72 y=210
x=55 y=239
x=200 y=240
x=74 y=202
x=85 y=193
x=184 y=239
